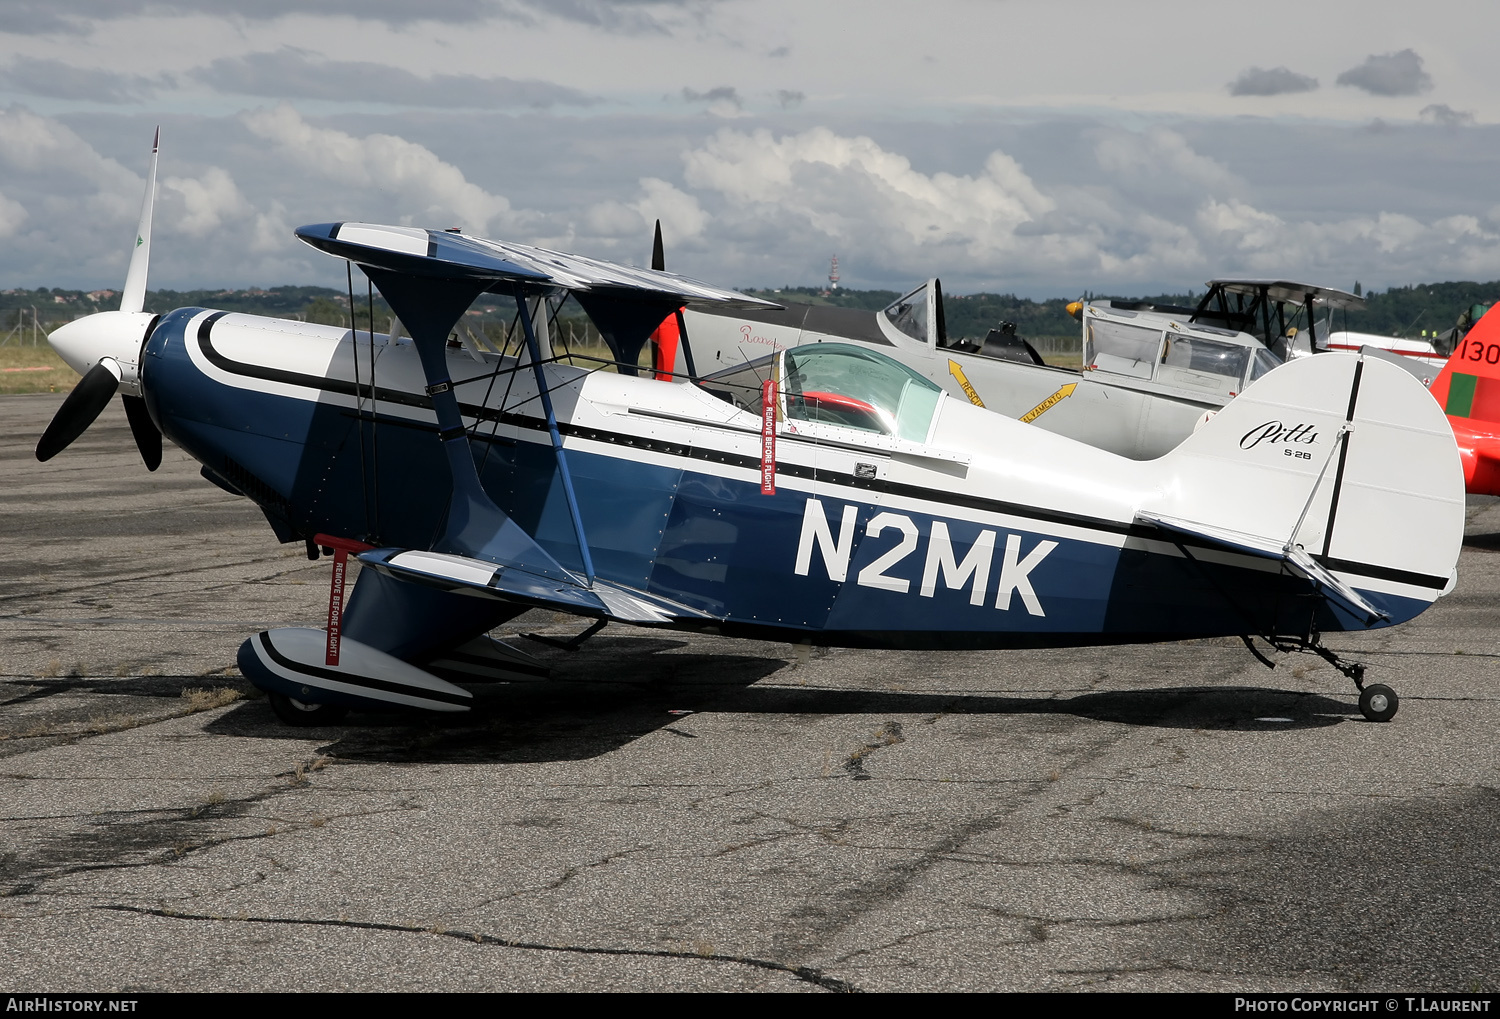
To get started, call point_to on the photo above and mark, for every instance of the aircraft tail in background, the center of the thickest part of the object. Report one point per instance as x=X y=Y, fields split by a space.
x=1468 y=390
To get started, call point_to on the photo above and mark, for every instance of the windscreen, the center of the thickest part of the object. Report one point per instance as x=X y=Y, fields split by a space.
x=1264 y=362
x=1122 y=349
x=849 y=386
x=1213 y=366
x=909 y=314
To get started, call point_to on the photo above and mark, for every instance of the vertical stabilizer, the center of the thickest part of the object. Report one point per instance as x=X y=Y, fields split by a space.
x=1337 y=461
x=134 y=297
x=1469 y=385
x=1468 y=390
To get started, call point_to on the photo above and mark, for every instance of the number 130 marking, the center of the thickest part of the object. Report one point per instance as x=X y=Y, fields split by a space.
x=1476 y=351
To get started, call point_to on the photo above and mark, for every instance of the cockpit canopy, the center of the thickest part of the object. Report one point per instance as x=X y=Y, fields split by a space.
x=836 y=384
x=1143 y=346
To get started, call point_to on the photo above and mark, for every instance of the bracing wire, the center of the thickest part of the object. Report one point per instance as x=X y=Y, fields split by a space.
x=374 y=410
x=359 y=397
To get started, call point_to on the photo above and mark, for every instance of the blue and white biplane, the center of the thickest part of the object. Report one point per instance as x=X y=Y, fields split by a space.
x=824 y=494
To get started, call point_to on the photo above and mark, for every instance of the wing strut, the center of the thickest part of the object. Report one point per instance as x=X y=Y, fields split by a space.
x=430 y=307
x=557 y=445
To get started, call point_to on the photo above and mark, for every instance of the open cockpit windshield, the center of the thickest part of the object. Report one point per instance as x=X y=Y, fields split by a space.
x=836 y=384
x=1122 y=348
x=1203 y=363
x=919 y=314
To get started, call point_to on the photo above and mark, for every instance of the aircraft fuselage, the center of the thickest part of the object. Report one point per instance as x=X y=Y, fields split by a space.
x=989 y=535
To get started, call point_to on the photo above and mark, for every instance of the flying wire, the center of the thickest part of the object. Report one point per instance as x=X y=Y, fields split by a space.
x=359 y=396
x=374 y=411
x=500 y=413
x=484 y=403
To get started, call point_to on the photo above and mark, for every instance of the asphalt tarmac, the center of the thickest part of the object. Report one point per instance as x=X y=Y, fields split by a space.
x=673 y=812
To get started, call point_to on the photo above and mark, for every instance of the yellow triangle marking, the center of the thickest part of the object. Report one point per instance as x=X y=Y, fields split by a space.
x=956 y=370
x=1050 y=402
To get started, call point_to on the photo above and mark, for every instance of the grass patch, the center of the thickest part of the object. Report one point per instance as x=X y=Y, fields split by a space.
x=299 y=776
x=199 y=698
x=36 y=369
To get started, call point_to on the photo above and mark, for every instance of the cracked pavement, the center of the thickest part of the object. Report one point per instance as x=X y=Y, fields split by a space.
x=695 y=813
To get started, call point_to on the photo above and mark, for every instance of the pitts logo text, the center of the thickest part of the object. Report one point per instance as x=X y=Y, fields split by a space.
x=1276 y=433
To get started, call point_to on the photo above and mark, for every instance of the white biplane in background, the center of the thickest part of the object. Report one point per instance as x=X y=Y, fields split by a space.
x=825 y=494
x=1150 y=372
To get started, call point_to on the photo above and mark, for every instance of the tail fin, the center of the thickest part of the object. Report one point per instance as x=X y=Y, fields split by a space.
x=1339 y=459
x=1468 y=387
x=1468 y=390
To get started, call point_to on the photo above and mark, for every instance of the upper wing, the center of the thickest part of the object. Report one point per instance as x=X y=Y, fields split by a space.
x=447 y=255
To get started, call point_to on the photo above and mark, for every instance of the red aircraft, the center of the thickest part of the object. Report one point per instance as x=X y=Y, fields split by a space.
x=1468 y=388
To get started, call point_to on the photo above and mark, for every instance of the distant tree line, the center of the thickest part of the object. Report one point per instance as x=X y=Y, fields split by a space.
x=1399 y=311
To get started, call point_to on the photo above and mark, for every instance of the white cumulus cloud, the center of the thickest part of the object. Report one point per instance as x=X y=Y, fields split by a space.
x=207 y=201
x=12 y=215
x=426 y=189
x=91 y=204
x=682 y=218
x=854 y=192
x=1156 y=209
x=1161 y=155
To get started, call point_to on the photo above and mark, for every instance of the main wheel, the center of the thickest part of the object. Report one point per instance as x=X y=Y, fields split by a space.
x=1378 y=702
x=300 y=713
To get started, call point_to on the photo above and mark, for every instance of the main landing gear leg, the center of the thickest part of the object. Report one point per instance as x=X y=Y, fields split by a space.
x=568 y=645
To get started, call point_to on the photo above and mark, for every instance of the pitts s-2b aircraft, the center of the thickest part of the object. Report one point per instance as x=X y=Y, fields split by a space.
x=824 y=494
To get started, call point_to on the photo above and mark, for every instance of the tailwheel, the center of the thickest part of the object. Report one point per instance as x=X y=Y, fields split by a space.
x=302 y=713
x=1378 y=702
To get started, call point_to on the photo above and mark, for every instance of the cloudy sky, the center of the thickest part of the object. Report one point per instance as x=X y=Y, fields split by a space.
x=1044 y=147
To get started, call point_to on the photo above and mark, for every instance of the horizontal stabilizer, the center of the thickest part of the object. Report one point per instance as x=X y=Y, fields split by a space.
x=293 y=661
x=463 y=575
x=1417 y=369
x=1294 y=560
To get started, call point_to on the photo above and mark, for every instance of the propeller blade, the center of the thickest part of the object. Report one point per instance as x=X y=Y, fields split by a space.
x=147 y=435
x=134 y=296
x=658 y=257
x=83 y=405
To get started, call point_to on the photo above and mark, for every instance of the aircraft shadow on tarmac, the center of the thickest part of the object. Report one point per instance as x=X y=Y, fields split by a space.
x=1482 y=542
x=623 y=689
